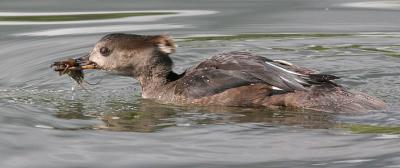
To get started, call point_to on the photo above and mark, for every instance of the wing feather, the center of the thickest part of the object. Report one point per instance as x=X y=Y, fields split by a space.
x=235 y=69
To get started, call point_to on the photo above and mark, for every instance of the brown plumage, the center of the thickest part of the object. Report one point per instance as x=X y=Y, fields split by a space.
x=227 y=79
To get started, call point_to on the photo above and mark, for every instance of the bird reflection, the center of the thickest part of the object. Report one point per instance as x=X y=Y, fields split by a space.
x=149 y=116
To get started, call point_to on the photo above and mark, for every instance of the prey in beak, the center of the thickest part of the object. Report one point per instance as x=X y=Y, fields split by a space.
x=74 y=67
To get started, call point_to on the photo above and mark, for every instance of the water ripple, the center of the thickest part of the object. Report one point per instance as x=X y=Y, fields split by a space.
x=179 y=13
x=101 y=29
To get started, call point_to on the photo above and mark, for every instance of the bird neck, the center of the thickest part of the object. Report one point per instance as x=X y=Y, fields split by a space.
x=156 y=75
x=154 y=85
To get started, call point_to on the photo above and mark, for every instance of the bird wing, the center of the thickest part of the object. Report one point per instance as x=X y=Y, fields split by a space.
x=234 y=69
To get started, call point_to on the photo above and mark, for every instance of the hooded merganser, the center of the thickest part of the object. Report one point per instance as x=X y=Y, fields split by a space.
x=228 y=79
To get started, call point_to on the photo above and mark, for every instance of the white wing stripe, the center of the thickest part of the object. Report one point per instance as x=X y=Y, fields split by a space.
x=283 y=69
x=276 y=88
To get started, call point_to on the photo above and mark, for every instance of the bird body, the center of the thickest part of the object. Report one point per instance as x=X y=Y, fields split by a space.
x=228 y=79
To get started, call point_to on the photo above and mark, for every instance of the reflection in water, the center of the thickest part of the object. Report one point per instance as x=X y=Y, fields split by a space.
x=148 y=116
x=43 y=18
x=143 y=116
x=37 y=113
x=101 y=29
x=71 y=110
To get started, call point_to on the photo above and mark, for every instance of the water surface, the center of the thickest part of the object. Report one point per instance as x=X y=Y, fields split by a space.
x=48 y=121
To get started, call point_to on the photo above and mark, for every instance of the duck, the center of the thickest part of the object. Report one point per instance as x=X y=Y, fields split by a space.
x=238 y=79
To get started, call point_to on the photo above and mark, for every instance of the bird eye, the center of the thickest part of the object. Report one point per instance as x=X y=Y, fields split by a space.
x=104 y=51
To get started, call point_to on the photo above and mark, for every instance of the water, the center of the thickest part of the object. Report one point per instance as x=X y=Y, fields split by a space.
x=46 y=123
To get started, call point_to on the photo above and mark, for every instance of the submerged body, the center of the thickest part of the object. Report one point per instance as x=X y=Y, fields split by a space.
x=228 y=79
